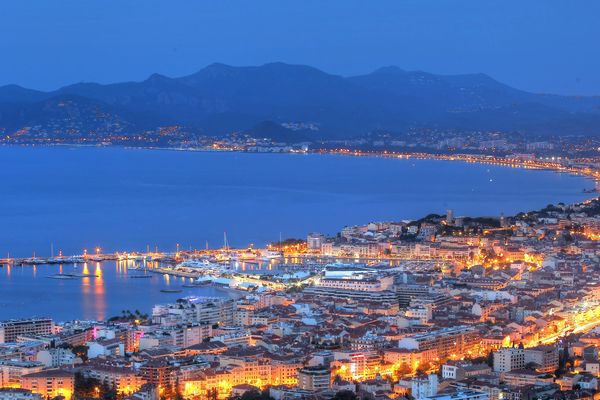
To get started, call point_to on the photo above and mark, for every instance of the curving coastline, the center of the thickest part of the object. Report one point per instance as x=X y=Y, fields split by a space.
x=162 y=175
x=558 y=164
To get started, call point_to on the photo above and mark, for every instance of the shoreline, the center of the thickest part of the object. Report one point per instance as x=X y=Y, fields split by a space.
x=159 y=270
x=485 y=159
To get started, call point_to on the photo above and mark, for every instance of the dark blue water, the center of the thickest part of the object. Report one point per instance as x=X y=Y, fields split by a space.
x=28 y=291
x=124 y=199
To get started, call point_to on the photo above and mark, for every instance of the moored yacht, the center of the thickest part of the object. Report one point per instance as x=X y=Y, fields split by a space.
x=270 y=254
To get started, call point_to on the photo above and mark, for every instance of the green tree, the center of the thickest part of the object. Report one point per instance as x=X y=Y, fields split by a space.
x=345 y=395
x=81 y=352
x=87 y=387
x=490 y=359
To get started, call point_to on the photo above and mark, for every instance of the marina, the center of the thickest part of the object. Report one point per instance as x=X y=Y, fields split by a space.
x=90 y=291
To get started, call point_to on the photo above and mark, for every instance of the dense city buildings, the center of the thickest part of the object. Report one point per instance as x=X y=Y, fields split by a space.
x=444 y=307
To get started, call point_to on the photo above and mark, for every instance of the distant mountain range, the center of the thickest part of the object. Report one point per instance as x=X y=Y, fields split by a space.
x=310 y=103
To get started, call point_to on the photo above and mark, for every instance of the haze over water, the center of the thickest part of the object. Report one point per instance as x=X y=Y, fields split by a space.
x=126 y=199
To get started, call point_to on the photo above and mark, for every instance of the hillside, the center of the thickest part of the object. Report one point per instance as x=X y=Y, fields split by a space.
x=220 y=99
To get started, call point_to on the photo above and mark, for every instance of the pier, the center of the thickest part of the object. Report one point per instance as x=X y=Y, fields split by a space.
x=22 y=261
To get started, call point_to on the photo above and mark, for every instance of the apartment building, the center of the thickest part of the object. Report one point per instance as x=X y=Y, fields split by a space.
x=50 y=383
x=10 y=330
x=314 y=379
x=445 y=342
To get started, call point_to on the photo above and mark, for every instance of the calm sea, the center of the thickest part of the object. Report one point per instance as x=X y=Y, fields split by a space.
x=124 y=199
x=72 y=199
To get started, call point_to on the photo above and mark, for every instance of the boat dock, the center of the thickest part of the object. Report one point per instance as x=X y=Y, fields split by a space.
x=56 y=260
x=95 y=257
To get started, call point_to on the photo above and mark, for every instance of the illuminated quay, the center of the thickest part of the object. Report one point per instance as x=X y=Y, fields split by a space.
x=583 y=167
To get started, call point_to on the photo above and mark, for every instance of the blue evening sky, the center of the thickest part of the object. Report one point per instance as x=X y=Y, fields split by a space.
x=537 y=45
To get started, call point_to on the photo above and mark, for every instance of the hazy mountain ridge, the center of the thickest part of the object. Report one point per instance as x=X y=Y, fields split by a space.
x=221 y=98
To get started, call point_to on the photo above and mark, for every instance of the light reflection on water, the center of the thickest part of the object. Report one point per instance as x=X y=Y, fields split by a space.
x=106 y=291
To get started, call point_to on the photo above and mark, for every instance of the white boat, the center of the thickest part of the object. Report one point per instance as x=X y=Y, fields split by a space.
x=339 y=264
x=73 y=259
x=65 y=260
x=34 y=260
x=270 y=254
x=225 y=256
x=204 y=280
x=247 y=255
x=196 y=263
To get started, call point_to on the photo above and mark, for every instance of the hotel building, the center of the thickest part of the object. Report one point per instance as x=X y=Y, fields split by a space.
x=12 y=329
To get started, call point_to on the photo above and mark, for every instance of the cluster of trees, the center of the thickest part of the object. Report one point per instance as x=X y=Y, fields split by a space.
x=254 y=395
x=288 y=242
x=482 y=222
x=296 y=288
x=345 y=395
x=93 y=388
x=128 y=316
x=80 y=351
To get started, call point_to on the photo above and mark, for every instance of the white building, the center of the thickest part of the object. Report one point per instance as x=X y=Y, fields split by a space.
x=314 y=379
x=508 y=359
x=424 y=313
x=460 y=395
x=239 y=338
x=109 y=347
x=450 y=371
x=183 y=336
x=203 y=311
x=57 y=357
x=314 y=241
x=358 y=282
x=423 y=387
